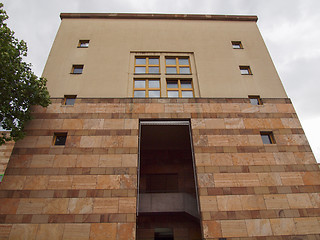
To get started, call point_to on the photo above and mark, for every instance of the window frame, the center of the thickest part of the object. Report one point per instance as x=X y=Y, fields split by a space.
x=66 y=97
x=237 y=43
x=270 y=137
x=86 y=42
x=147 y=65
x=245 y=68
x=177 y=65
x=146 y=88
x=77 y=66
x=257 y=97
x=179 y=89
x=59 y=134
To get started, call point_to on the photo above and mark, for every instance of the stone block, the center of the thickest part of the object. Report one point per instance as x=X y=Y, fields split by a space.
x=65 y=161
x=276 y=201
x=110 y=160
x=309 y=225
x=36 y=183
x=127 y=205
x=283 y=226
x=108 y=182
x=60 y=182
x=212 y=229
x=5 y=231
x=205 y=180
x=23 y=231
x=126 y=231
x=214 y=123
x=56 y=206
x=252 y=202
x=91 y=141
x=234 y=123
x=299 y=200
x=12 y=182
x=74 y=231
x=258 y=227
x=106 y=205
x=50 y=231
x=87 y=161
x=225 y=180
x=84 y=182
x=9 y=205
x=103 y=231
x=291 y=178
x=31 y=205
x=229 y=203
x=221 y=159
x=234 y=228
x=208 y=203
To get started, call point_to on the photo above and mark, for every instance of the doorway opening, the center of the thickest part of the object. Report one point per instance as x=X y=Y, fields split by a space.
x=167 y=194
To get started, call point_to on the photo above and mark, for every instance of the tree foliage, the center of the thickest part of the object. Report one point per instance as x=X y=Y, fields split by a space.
x=20 y=88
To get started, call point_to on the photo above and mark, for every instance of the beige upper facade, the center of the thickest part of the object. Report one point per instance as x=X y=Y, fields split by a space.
x=117 y=40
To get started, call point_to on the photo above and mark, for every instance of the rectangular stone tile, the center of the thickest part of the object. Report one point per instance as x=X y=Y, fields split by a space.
x=309 y=225
x=208 y=203
x=129 y=160
x=84 y=182
x=234 y=228
x=252 y=202
x=12 y=182
x=126 y=231
x=103 y=231
x=60 y=182
x=276 y=201
x=212 y=229
x=229 y=203
x=108 y=182
x=50 y=231
x=247 y=179
x=87 y=161
x=23 y=231
x=80 y=206
x=31 y=205
x=225 y=180
x=36 y=183
x=299 y=200
x=127 y=205
x=283 y=226
x=5 y=231
x=291 y=178
x=258 y=227
x=9 y=205
x=76 y=231
x=106 y=205
x=63 y=161
x=56 y=206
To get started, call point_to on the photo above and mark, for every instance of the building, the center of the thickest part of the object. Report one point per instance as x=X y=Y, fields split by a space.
x=162 y=126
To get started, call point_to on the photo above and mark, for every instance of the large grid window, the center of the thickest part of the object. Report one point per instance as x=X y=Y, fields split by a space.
x=180 y=88
x=178 y=65
x=146 y=88
x=147 y=65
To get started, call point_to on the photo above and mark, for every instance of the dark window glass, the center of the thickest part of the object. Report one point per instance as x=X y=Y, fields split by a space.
x=60 y=139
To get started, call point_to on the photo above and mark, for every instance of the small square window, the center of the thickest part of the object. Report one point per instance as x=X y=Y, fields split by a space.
x=77 y=69
x=69 y=100
x=83 y=44
x=236 y=45
x=59 y=139
x=267 y=138
x=245 y=70
x=255 y=100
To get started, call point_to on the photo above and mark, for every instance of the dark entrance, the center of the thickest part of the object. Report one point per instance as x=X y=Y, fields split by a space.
x=167 y=202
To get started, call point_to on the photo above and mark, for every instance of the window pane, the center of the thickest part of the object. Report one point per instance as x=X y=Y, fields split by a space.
x=139 y=83
x=140 y=70
x=244 y=71
x=172 y=84
x=236 y=46
x=70 y=101
x=153 y=69
x=184 y=70
x=172 y=70
x=140 y=61
x=183 y=61
x=60 y=140
x=187 y=94
x=254 y=101
x=266 y=139
x=170 y=61
x=186 y=84
x=153 y=61
x=173 y=94
x=154 y=84
x=77 y=69
x=139 y=93
x=154 y=94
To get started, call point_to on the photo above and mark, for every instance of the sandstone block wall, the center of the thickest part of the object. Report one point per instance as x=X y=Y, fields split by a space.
x=87 y=189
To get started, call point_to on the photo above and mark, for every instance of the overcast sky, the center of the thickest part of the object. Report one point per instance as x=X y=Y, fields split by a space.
x=289 y=27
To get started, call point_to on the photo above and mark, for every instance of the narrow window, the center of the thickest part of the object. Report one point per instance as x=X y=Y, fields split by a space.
x=59 y=139
x=83 y=44
x=237 y=45
x=255 y=100
x=147 y=65
x=245 y=70
x=267 y=138
x=146 y=88
x=179 y=88
x=69 y=100
x=178 y=65
x=77 y=69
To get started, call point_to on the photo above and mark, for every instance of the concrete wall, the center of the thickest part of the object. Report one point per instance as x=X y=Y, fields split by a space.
x=108 y=62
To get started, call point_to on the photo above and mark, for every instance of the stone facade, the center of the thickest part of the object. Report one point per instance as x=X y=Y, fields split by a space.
x=87 y=189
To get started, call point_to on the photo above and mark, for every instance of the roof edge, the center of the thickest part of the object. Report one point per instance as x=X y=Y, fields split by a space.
x=161 y=16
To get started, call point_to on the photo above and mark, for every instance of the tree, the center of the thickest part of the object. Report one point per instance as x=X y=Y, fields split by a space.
x=20 y=88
